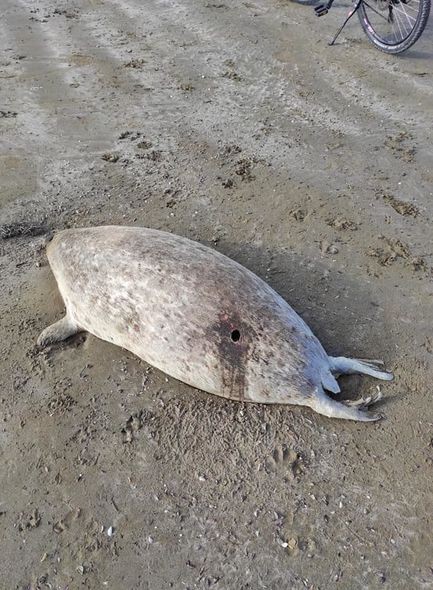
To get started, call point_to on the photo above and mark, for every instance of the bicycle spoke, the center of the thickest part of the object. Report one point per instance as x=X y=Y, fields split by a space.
x=411 y=20
x=408 y=7
x=376 y=11
x=397 y=20
x=408 y=25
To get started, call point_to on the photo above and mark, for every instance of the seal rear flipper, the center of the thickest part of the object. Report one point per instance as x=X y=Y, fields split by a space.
x=341 y=365
x=322 y=404
x=364 y=402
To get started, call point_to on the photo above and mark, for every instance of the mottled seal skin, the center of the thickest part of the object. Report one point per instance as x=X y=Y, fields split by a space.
x=196 y=315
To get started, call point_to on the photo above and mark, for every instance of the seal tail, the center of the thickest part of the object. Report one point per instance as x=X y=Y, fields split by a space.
x=341 y=365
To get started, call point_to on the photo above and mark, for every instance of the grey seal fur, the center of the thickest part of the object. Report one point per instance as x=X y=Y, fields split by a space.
x=197 y=315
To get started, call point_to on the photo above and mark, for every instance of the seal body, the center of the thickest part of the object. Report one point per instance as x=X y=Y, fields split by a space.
x=196 y=315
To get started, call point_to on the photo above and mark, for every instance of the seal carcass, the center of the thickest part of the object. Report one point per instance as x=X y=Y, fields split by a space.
x=196 y=315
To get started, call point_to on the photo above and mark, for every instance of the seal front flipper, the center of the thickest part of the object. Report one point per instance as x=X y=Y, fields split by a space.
x=59 y=331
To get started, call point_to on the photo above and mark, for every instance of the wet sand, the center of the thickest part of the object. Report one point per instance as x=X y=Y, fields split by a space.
x=232 y=123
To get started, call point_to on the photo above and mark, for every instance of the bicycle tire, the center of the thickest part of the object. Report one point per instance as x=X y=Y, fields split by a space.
x=404 y=44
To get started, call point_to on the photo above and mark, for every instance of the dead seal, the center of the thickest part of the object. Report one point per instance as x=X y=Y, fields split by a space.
x=198 y=316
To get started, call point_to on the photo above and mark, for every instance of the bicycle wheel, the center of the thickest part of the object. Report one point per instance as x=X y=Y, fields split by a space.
x=394 y=25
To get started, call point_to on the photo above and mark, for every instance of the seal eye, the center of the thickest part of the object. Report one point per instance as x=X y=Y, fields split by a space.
x=235 y=336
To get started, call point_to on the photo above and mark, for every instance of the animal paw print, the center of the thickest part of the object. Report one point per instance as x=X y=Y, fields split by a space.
x=133 y=424
x=285 y=461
